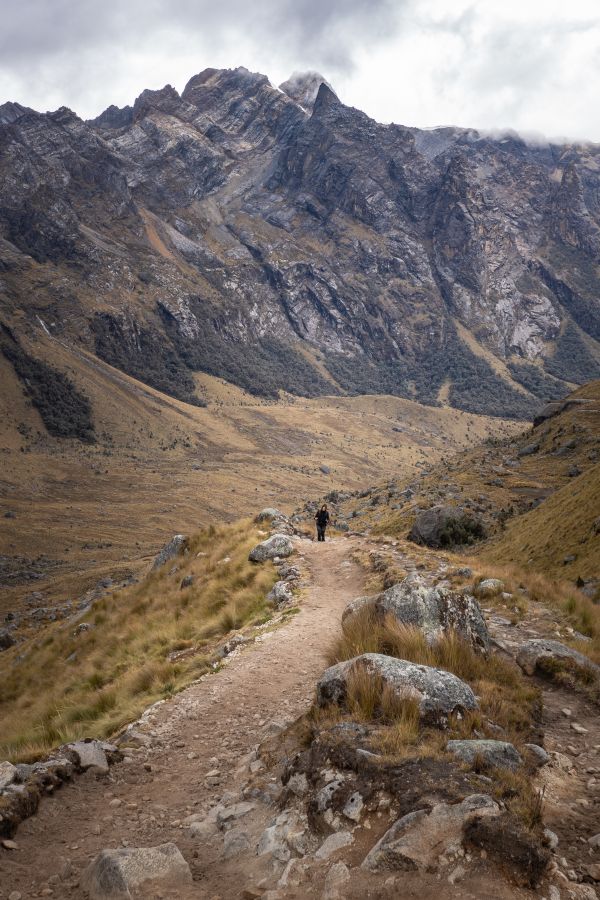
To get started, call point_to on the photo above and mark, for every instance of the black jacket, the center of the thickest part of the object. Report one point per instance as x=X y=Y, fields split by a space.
x=322 y=518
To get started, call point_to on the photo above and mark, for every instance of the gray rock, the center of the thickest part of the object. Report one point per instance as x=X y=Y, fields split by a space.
x=325 y=470
x=267 y=514
x=8 y=774
x=236 y=841
x=114 y=873
x=489 y=587
x=91 y=755
x=494 y=753
x=435 y=610
x=535 y=652
x=445 y=526
x=537 y=755
x=439 y=693
x=280 y=593
x=277 y=545
x=170 y=550
x=417 y=840
x=333 y=843
x=6 y=640
x=354 y=807
x=528 y=450
x=186 y=582
x=229 y=814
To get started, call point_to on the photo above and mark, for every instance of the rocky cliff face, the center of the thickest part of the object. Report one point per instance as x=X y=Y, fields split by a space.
x=280 y=239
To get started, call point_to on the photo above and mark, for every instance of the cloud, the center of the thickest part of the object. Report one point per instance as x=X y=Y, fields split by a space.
x=474 y=63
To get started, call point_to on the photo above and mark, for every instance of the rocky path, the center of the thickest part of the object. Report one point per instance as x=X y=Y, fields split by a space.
x=209 y=728
x=197 y=753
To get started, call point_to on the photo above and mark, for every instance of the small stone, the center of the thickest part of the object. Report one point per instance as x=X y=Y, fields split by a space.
x=333 y=843
x=578 y=729
x=566 y=711
x=115 y=803
x=595 y=841
x=10 y=845
x=594 y=871
x=15 y=895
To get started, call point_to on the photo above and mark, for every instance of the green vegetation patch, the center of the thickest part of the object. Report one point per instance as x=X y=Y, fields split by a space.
x=572 y=360
x=65 y=411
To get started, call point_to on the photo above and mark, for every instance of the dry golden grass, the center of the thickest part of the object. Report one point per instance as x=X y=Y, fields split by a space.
x=143 y=644
x=505 y=698
x=573 y=606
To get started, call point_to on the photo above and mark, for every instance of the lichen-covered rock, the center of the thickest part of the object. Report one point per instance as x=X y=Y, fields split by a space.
x=114 y=873
x=267 y=514
x=280 y=593
x=446 y=526
x=500 y=754
x=8 y=774
x=438 y=693
x=435 y=610
x=277 y=545
x=170 y=550
x=489 y=587
x=419 y=839
x=543 y=654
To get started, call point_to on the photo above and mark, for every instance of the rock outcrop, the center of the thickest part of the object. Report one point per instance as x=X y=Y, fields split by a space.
x=114 y=874
x=446 y=526
x=279 y=545
x=438 y=693
x=419 y=839
x=548 y=656
x=434 y=610
x=498 y=754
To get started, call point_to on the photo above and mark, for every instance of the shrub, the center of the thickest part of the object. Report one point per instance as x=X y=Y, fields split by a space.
x=65 y=411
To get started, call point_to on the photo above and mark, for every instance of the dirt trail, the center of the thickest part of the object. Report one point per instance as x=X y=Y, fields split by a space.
x=212 y=725
x=215 y=726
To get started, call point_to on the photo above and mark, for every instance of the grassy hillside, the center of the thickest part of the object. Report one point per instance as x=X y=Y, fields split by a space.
x=538 y=493
x=159 y=465
x=133 y=647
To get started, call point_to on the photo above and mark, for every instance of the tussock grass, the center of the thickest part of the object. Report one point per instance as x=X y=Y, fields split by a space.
x=505 y=698
x=574 y=607
x=146 y=643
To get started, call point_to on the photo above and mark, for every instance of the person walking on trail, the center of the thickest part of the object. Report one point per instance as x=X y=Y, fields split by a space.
x=322 y=520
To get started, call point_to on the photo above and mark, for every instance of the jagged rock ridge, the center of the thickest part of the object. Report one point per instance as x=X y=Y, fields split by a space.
x=283 y=240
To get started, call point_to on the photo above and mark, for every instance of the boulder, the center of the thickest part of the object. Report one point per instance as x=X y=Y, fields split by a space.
x=528 y=450
x=113 y=874
x=499 y=754
x=540 y=654
x=267 y=514
x=277 y=545
x=446 y=526
x=438 y=693
x=8 y=774
x=435 y=610
x=489 y=587
x=280 y=593
x=417 y=840
x=6 y=639
x=91 y=755
x=170 y=550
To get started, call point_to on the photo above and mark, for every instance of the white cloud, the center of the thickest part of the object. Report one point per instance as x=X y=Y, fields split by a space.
x=527 y=66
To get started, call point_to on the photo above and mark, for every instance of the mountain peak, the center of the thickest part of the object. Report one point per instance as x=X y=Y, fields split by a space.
x=303 y=88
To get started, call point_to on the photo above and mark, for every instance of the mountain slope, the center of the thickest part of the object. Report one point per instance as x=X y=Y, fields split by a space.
x=279 y=242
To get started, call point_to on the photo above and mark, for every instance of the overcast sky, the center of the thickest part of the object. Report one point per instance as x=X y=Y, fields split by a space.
x=530 y=65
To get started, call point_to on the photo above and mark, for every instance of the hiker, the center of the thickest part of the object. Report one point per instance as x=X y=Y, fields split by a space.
x=322 y=520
